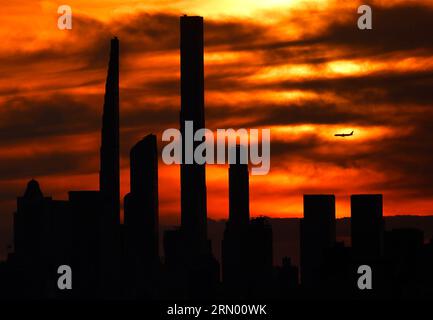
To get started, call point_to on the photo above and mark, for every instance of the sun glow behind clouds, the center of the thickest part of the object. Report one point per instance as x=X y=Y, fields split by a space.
x=236 y=8
x=109 y=9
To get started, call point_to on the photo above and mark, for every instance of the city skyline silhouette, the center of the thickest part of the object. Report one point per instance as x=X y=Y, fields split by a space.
x=114 y=260
x=305 y=84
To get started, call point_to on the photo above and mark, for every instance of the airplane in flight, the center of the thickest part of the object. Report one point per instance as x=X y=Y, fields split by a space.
x=344 y=135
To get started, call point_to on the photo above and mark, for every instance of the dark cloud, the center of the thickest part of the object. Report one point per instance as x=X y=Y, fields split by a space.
x=149 y=32
x=85 y=48
x=381 y=87
x=23 y=118
x=58 y=115
x=306 y=112
x=146 y=32
x=48 y=164
x=402 y=27
x=236 y=32
x=405 y=160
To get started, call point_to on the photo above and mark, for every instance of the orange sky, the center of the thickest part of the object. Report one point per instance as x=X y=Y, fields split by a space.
x=301 y=68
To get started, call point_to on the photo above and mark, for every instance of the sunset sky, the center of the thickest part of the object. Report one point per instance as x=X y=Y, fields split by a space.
x=301 y=68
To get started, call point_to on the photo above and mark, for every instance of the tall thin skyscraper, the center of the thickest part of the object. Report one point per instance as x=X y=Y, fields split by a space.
x=236 y=243
x=318 y=235
x=367 y=225
x=109 y=180
x=193 y=176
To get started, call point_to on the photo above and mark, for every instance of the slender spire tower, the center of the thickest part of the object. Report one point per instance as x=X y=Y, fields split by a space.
x=109 y=180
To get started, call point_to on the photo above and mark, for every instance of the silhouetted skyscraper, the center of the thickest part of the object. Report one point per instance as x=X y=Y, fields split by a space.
x=239 y=193
x=109 y=180
x=30 y=224
x=317 y=236
x=141 y=204
x=367 y=225
x=33 y=229
x=236 y=244
x=193 y=176
x=141 y=214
